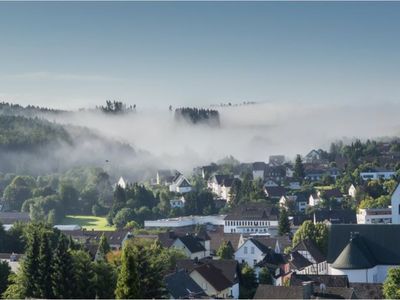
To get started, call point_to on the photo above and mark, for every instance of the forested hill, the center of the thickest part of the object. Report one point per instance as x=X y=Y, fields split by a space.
x=27 y=111
x=21 y=133
x=37 y=146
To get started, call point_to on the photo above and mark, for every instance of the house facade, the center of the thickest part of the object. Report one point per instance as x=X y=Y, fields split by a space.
x=377 y=174
x=251 y=218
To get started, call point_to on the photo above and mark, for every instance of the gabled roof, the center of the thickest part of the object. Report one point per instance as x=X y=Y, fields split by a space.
x=275 y=191
x=333 y=193
x=259 y=166
x=355 y=255
x=378 y=238
x=308 y=245
x=213 y=276
x=192 y=243
x=228 y=267
x=336 y=216
x=263 y=248
x=265 y=291
x=180 y=286
x=298 y=261
x=367 y=290
x=253 y=211
x=328 y=280
x=219 y=179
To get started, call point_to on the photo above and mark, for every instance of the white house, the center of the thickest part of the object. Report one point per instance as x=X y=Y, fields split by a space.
x=395 y=201
x=259 y=170
x=180 y=185
x=299 y=202
x=352 y=192
x=221 y=185
x=312 y=156
x=374 y=216
x=177 y=202
x=121 y=183
x=314 y=200
x=251 y=218
x=363 y=252
x=377 y=174
x=251 y=252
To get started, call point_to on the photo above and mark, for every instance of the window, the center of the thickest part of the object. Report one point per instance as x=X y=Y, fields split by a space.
x=245 y=250
x=252 y=250
x=254 y=262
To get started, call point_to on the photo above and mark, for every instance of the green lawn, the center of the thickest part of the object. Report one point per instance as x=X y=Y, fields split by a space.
x=88 y=222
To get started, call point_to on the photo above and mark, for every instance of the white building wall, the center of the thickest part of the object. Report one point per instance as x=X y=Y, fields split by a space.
x=396 y=205
x=249 y=253
x=235 y=291
x=357 y=275
x=245 y=226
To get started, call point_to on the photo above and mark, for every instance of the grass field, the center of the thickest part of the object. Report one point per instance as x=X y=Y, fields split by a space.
x=88 y=222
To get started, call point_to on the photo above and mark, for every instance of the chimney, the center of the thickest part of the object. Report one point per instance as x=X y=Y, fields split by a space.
x=308 y=289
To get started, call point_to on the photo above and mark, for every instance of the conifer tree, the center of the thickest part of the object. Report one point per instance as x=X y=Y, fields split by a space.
x=30 y=266
x=43 y=280
x=104 y=247
x=62 y=275
x=128 y=279
x=284 y=224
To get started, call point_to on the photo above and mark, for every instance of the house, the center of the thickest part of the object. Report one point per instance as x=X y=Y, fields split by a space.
x=395 y=202
x=367 y=290
x=121 y=183
x=277 y=265
x=251 y=218
x=335 y=216
x=352 y=192
x=314 y=174
x=115 y=239
x=177 y=202
x=298 y=202
x=277 y=173
x=276 y=160
x=294 y=185
x=12 y=259
x=220 y=185
x=194 y=247
x=314 y=200
x=363 y=252
x=251 y=252
x=274 y=192
x=325 y=279
x=270 y=183
x=313 y=156
x=180 y=185
x=165 y=177
x=226 y=269
x=307 y=249
x=180 y=285
x=13 y=217
x=374 y=216
x=306 y=291
x=259 y=170
x=333 y=194
x=206 y=171
x=375 y=174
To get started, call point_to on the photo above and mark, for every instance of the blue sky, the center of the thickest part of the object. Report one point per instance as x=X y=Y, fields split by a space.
x=78 y=54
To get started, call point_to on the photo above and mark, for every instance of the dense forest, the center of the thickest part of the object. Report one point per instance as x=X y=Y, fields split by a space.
x=198 y=116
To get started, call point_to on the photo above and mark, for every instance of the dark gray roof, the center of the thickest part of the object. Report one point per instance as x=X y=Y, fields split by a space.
x=180 y=286
x=367 y=290
x=355 y=255
x=308 y=245
x=334 y=293
x=259 y=166
x=221 y=178
x=192 y=243
x=253 y=211
x=328 y=280
x=228 y=267
x=265 y=291
x=298 y=261
x=275 y=191
x=12 y=217
x=214 y=276
x=336 y=216
x=378 y=238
